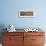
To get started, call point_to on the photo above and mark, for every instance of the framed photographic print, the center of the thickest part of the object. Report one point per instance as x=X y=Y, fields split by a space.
x=26 y=14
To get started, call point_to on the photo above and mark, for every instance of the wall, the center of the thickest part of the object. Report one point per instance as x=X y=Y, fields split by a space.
x=9 y=10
